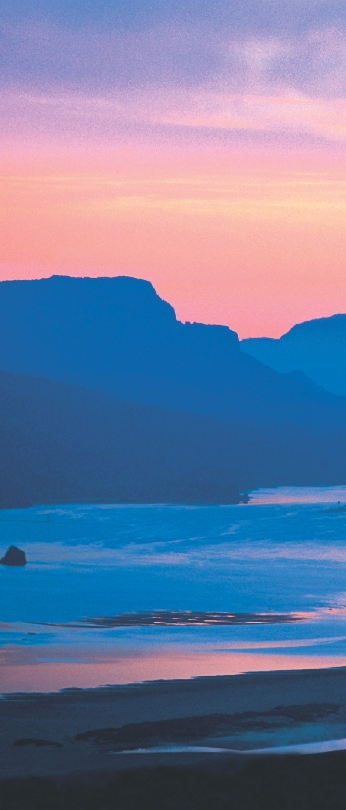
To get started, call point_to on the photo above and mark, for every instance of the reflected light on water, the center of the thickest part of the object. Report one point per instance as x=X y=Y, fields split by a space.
x=282 y=495
x=51 y=676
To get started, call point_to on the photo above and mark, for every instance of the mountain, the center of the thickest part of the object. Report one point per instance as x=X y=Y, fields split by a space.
x=317 y=348
x=66 y=444
x=116 y=336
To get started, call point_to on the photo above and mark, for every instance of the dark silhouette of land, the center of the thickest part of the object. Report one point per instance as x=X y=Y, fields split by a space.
x=69 y=746
x=317 y=348
x=66 y=444
x=126 y=404
x=314 y=782
x=116 y=336
x=60 y=740
x=62 y=443
x=87 y=732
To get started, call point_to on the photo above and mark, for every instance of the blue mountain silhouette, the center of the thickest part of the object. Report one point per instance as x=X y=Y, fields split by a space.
x=116 y=336
x=66 y=444
x=317 y=348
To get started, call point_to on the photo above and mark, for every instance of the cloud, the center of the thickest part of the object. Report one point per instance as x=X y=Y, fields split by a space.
x=256 y=46
x=173 y=117
x=260 y=72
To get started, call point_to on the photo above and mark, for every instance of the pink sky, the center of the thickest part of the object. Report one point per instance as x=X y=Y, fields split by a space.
x=252 y=239
x=207 y=156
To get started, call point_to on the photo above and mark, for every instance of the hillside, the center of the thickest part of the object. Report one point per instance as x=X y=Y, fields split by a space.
x=62 y=443
x=317 y=348
x=116 y=336
x=66 y=444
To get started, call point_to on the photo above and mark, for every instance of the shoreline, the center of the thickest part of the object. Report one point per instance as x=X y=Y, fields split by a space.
x=84 y=730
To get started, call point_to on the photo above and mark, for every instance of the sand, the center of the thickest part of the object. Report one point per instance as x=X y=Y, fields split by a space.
x=59 y=733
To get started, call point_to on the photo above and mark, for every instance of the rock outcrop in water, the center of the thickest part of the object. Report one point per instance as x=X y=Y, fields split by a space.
x=14 y=556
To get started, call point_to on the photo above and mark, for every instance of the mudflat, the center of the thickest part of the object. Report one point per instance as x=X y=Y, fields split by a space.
x=105 y=729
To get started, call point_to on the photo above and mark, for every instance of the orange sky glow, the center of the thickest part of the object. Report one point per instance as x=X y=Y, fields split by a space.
x=201 y=147
x=252 y=239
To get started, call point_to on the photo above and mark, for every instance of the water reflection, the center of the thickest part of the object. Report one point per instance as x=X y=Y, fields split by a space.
x=24 y=671
x=282 y=558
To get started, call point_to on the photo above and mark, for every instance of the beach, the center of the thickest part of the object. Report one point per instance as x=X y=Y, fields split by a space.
x=124 y=594
x=63 y=733
x=175 y=654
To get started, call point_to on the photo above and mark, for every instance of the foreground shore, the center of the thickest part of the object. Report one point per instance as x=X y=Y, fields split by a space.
x=105 y=730
x=263 y=783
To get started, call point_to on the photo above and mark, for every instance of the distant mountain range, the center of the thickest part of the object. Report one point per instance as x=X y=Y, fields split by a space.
x=317 y=348
x=62 y=443
x=105 y=396
x=116 y=336
x=65 y=444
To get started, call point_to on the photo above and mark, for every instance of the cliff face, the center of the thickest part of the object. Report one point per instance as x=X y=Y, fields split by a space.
x=116 y=335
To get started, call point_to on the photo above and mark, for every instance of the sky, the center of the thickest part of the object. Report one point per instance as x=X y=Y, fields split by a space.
x=199 y=145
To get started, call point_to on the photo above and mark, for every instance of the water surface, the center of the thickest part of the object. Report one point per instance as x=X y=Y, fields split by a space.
x=283 y=553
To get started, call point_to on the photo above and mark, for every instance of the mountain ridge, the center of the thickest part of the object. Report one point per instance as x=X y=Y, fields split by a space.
x=316 y=347
x=117 y=336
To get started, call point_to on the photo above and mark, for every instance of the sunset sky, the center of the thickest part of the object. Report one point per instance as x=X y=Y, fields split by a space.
x=200 y=145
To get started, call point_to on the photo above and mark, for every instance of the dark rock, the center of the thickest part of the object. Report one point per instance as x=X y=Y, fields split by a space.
x=14 y=556
x=38 y=743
